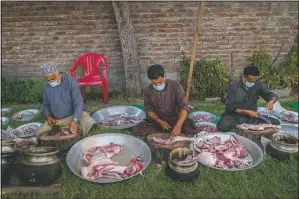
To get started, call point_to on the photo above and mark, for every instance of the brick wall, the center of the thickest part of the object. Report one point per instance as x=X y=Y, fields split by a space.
x=35 y=32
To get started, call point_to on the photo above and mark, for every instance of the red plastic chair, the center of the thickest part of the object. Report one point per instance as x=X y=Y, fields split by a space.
x=91 y=63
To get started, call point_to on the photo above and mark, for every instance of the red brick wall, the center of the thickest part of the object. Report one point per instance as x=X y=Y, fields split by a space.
x=36 y=32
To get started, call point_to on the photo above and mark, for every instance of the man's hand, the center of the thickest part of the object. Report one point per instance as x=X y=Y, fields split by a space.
x=164 y=125
x=176 y=131
x=73 y=127
x=51 y=120
x=252 y=113
x=270 y=105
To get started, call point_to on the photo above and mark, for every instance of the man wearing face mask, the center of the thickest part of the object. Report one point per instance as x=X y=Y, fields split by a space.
x=166 y=106
x=241 y=101
x=63 y=102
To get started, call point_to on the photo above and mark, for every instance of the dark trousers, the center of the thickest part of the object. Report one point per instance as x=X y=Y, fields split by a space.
x=145 y=128
x=229 y=121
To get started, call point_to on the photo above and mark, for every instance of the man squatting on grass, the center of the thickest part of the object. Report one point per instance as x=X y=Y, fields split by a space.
x=166 y=106
x=63 y=102
x=241 y=101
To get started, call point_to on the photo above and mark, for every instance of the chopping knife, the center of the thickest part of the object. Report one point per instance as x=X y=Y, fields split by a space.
x=264 y=118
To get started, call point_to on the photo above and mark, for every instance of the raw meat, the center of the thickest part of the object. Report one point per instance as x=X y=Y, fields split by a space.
x=102 y=152
x=24 y=144
x=65 y=132
x=187 y=160
x=200 y=118
x=228 y=153
x=122 y=119
x=258 y=127
x=108 y=170
x=100 y=164
x=289 y=116
x=28 y=131
x=207 y=128
x=3 y=112
x=20 y=117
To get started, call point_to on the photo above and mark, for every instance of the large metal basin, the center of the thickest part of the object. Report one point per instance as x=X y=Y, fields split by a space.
x=253 y=149
x=115 y=111
x=131 y=146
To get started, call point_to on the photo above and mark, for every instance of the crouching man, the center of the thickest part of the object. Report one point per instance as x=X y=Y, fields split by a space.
x=166 y=106
x=63 y=102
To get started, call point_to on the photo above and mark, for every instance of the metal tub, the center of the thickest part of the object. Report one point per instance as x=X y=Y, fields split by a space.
x=253 y=149
x=115 y=111
x=131 y=146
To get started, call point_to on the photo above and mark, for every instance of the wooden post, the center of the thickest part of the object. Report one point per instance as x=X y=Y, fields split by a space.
x=196 y=35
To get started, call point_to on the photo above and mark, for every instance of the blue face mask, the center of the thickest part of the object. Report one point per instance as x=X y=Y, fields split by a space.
x=249 y=84
x=160 y=87
x=54 y=84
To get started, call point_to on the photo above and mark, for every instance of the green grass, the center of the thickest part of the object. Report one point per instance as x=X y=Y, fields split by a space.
x=270 y=179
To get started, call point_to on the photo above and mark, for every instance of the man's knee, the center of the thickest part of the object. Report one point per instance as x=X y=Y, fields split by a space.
x=225 y=125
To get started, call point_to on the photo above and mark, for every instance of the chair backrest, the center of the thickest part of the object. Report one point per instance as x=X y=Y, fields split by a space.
x=91 y=63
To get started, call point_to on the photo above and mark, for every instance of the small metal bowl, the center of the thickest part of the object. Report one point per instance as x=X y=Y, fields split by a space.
x=4 y=121
x=5 y=111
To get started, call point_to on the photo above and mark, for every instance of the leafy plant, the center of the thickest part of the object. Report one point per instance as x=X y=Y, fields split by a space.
x=290 y=64
x=270 y=74
x=29 y=90
x=209 y=78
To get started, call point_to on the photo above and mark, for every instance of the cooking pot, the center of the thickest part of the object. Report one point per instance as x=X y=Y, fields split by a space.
x=184 y=172
x=8 y=157
x=282 y=146
x=40 y=166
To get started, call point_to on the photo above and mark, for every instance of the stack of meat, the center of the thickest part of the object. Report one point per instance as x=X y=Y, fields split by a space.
x=257 y=127
x=28 y=131
x=122 y=119
x=201 y=118
x=20 y=117
x=206 y=128
x=289 y=116
x=100 y=164
x=223 y=153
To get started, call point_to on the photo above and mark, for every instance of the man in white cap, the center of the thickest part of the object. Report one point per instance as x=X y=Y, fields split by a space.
x=63 y=102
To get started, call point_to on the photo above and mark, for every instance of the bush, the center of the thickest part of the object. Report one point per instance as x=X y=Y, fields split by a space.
x=270 y=75
x=290 y=64
x=209 y=78
x=29 y=90
x=277 y=77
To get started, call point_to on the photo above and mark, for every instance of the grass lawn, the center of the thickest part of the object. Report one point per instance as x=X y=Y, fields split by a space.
x=270 y=179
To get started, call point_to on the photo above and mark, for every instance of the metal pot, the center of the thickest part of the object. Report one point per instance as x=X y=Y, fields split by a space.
x=8 y=157
x=8 y=146
x=282 y=146
x=40 y=166
x=182 y=172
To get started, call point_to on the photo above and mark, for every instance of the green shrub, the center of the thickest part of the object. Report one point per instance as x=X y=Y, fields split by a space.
x=290 y=64
x=209 y=78
x=29 y=90
x=270 y=75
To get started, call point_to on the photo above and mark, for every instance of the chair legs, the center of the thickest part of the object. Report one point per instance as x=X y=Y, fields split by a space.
x=105 y=92
x=83 y=92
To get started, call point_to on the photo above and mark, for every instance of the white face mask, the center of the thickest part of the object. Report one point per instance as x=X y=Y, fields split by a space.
x=160 y=87
x=54 y=84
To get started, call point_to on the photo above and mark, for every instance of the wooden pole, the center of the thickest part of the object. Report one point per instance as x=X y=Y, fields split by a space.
x=196 y=35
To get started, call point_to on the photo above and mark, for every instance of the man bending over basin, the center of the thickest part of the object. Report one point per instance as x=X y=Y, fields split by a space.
x=63 y=102
x=241 y=101
x=165 y=105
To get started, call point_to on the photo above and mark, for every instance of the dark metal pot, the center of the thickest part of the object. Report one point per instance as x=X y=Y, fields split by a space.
x=8 y=157
x=182 y=172
x=41 y=166
x=282 y=146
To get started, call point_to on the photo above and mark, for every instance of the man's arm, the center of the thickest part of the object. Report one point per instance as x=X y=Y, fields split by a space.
x=77 y=99
x=267 y=94
x=46 y=105
x=232 y=106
